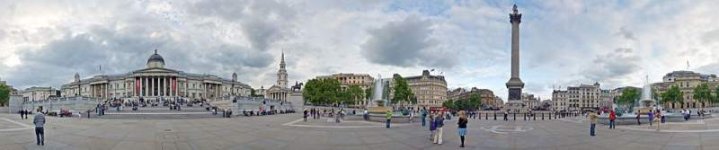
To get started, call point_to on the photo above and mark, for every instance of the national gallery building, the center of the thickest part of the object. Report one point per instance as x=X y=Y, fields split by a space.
x=154 y=82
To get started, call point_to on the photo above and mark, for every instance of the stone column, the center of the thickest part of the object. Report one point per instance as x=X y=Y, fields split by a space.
x=152 y=86
x=162 y=86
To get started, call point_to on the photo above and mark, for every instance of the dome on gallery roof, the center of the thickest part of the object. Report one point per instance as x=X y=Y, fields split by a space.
x=155 y=61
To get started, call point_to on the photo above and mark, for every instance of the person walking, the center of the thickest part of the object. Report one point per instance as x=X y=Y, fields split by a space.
x=462 y=127
x=657 y=118
x=432 y=127
x=39 y=122
x=505 y=115
x=612 y=117
x=439 y=123
x=305 y=115
x=651 y=117
x=388 y=116
x=424 y=116
x=593 y=117
x=638 y=118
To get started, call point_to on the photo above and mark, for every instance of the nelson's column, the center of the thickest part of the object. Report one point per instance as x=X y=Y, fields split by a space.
x=515 y=85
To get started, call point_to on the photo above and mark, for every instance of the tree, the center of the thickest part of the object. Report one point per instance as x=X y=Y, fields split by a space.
x=311 y=91
x=368 y=93
x=702 y=93
x=402 y=92
x=474 y=102
x=355 y=94
x=673 y=95
x=323 y=92
x=629 y=95
x=4 y=95
x=449 y=104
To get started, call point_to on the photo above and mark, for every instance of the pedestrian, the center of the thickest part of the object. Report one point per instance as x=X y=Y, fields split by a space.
x=432 y=126
x=439 y=123
x=612 y=117
x=462 y=127
x=22 y=114
x=388 y=116
x=39 y=122
x=411 y=117
x=424 y=115
x=305 y=115
x=505 y=115
x=651 y=117
x=657 y=118
x=593 y=117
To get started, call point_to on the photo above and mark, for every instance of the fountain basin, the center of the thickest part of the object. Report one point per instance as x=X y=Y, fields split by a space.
x=631 y=119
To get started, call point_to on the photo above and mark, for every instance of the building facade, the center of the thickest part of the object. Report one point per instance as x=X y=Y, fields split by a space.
x=686 y=81
x=39 y=93
x=578 y=98
x=430 y=90
x=487 y=97
x=155 y=81
x=529 y=101
x=279 y=91
x=560 y=100
x=364 y=81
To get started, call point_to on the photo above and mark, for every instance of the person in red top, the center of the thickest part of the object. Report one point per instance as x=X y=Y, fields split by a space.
x=612 y=117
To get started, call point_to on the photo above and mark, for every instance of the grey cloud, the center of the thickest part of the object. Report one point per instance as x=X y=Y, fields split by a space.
x=262 y=21
x=625 y=33
x=120 y=51
x=711 y=36
x=612 y=66
x=405 y=43
x=709 y=68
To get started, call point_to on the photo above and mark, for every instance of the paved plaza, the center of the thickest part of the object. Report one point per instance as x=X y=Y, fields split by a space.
x=288 y=131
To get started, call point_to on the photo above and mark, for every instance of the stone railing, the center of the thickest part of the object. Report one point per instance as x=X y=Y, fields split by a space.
x=73 y=104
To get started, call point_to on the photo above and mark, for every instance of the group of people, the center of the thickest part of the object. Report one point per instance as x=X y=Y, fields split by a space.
x=24 y=113
x=436 y=125
x=315 y=114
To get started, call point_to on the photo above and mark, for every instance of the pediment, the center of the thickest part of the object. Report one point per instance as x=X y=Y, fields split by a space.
x=155 y=70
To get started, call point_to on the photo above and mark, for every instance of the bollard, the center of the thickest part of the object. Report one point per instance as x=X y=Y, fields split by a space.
x=543 y=116
x=515 y=116
x=525 y=116
x=486 y=116
x=495 y=115
x=480 y=115
x=534 y=116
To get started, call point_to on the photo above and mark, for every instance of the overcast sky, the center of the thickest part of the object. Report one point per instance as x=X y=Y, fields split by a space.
x=615 y=43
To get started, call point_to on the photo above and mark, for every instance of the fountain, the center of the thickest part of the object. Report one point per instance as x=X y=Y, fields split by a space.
x=646 y=103
x=378 y=104
x=643 y=106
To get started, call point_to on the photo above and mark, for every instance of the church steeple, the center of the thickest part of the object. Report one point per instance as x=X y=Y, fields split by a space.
x=282 y=73
x=282 y=61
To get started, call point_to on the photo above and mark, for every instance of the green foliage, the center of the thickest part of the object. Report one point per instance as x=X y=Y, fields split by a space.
x=368 y=93
x=355 y=94
x=449 y=104
x=702 y=93
x=673 y=95
x=472 y=103
x=4 y=95
x=402 y=92
x=628 y=96
x=716 y=95
x=323 y=92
